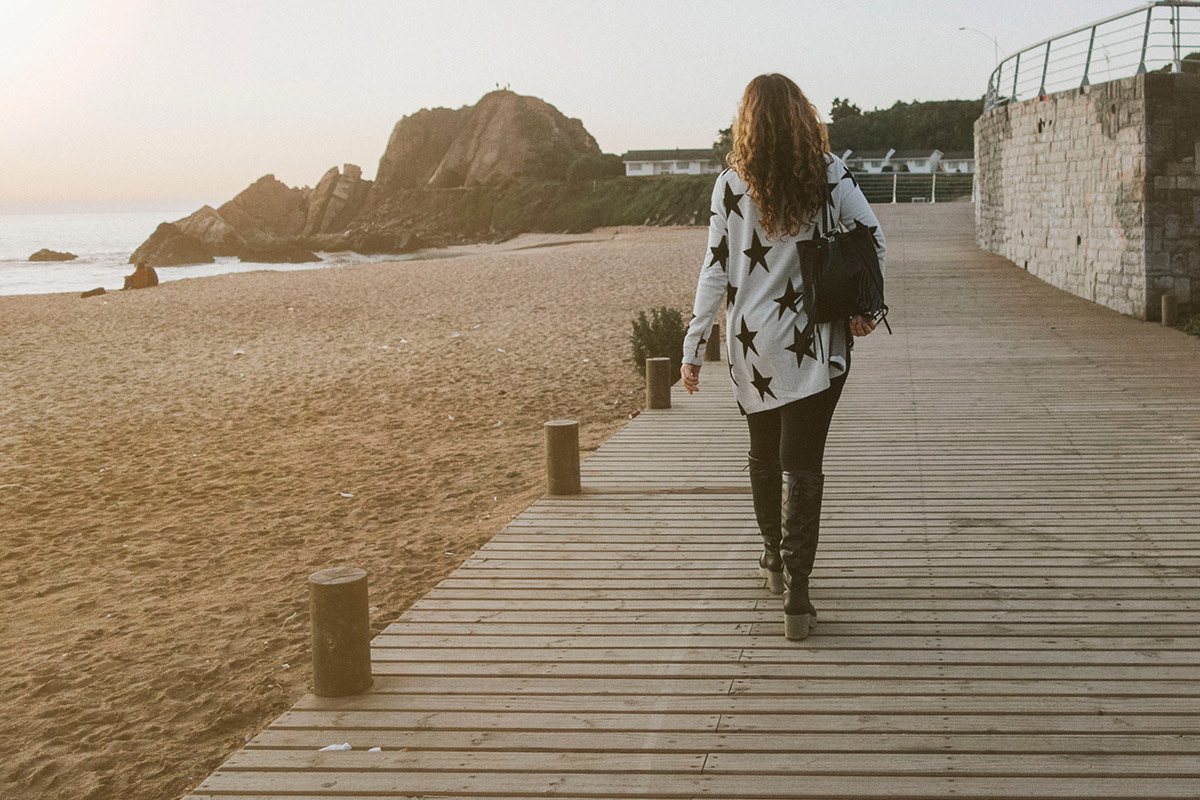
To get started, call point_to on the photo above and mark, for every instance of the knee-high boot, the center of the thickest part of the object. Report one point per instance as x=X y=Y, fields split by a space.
x=798 y=547
x=767 y=490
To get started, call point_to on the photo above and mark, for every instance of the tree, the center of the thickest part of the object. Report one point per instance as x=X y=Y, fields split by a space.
x=723 y=144
x=843 y=109
x=942 y=124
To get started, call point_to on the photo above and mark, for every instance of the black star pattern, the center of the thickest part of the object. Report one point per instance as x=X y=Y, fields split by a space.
x=850 y=175
x=720 y=253
x=757 y=253
x=730 y=293
x=735 y=383
x=788 y=298
x=731 y=202
x=762 y=383
x=746 y=337
x=802 y=344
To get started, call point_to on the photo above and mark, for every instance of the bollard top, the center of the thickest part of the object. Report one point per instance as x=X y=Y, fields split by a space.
x=659 y=358
x=334 y=575
x=560 y=423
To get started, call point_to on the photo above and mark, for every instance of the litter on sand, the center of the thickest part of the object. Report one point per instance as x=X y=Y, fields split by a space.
x=375 y=750
x=342 y=746
x=345 y=494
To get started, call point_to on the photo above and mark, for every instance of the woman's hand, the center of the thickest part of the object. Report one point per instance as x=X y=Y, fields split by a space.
x=691 y=377
x=861 y=326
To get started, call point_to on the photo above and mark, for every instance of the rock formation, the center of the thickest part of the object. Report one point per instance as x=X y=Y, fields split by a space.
x=504 y=140
x=52 y=255
x=143 y=277
x=509 y=136
x=337 y=199
x=416 y=148
x=210 y=227
x=505 y=135
x=267 y=209
x=170 y=247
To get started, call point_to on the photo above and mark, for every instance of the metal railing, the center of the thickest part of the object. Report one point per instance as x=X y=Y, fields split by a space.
x=1157 y=36
x=915 y=187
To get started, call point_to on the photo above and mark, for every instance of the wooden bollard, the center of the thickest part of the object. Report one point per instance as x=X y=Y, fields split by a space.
x=712 y=348
x=341 y=631
x=1170 y=310
x=658 y=383
x=562 y=456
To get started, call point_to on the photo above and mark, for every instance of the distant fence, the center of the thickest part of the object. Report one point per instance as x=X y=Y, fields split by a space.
x=915 y=187
x=1157 y=36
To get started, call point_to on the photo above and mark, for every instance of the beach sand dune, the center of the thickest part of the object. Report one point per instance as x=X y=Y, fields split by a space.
x=174 y=462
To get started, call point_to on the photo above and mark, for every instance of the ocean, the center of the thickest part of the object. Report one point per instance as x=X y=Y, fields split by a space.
x=103 y=242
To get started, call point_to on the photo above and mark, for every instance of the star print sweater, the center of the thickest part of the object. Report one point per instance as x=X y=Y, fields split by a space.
x=773 y=358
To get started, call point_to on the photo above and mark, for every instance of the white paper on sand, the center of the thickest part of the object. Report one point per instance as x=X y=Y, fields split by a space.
x=342 y=746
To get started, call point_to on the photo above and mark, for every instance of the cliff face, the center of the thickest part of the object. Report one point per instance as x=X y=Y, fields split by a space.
x=505 y=137
x=416 y=148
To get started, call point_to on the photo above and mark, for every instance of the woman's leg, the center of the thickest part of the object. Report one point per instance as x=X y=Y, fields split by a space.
x=804 y=427
x=766 y=488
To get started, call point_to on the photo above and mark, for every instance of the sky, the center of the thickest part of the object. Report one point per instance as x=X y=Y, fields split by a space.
x=167 y=104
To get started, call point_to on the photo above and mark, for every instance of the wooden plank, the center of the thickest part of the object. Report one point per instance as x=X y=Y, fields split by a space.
x=754 y=743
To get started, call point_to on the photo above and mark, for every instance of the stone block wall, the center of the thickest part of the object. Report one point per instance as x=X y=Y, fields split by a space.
x=1097 y=190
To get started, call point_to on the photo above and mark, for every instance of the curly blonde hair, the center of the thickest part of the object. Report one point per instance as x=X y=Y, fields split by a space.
x=779 y=147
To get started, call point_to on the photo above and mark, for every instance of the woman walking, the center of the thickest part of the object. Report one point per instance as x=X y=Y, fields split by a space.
x=787 y=370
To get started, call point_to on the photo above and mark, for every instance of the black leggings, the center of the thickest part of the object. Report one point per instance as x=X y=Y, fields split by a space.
x=795 y=433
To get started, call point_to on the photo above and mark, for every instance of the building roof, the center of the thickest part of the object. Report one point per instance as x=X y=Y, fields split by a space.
x=904 y=155
x=868 y=154
x=669 y=155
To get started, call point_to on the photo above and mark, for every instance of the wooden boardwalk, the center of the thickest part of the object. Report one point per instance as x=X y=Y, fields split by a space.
x=1008 y=584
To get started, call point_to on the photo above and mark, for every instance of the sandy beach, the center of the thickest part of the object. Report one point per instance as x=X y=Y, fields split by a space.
x=174 y=462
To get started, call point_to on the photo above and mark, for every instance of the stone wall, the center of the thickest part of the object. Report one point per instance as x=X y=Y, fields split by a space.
x=1097 y=190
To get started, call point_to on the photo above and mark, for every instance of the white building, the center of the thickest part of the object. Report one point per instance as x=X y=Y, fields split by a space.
x=640 y=163
x=874 y=161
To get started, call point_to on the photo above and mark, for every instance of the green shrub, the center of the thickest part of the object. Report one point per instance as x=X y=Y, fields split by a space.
x=588 y=167
x=659 y=336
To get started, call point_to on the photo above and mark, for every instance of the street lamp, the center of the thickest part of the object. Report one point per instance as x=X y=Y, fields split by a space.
x=995 y=44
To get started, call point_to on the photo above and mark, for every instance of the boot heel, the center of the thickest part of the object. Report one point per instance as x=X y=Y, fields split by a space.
x=796 y=626
x=772 y=580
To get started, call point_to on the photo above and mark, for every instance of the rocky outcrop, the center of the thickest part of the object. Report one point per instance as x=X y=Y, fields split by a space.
x=170 y=247
x=503 y=136
x=416 y=148
x=143 y=277
x=505 y=141
x=99 y=290
x=210 y=227
x=507 y=135
x=337 y=199
x=52 y=255
x=267 y=209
